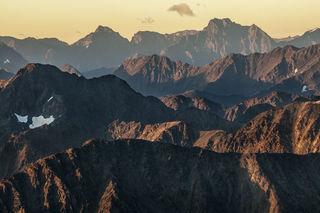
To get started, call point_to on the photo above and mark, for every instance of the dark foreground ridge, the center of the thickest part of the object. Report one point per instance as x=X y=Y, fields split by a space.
x=138 y=176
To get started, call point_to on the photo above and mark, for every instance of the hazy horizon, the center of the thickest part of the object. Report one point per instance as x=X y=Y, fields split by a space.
x=55 y=19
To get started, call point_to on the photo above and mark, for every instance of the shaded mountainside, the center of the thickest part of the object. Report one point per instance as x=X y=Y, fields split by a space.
x=45 y=111
x=106 y=48
x=4 y=75
x=137 y=176
x=10 y=60
x=45 y=50
x=102 y=48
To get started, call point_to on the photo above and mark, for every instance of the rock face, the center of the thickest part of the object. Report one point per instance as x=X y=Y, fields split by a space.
x=293 y=128
x=287 y=69
x=106 y=48
x=10 y=60
x=138 y=176
x=70 y=69
x=158 y=75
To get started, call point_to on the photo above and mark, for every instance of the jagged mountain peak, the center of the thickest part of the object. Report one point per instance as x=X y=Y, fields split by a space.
x=223 y=21
x=106 y=29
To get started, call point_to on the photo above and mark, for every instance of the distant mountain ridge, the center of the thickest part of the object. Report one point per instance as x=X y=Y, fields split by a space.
x=288 y=69
x=107 y=48
x=10 y=60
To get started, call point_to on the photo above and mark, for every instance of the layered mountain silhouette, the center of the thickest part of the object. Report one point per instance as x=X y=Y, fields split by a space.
x=98 y=72
x=137 y=176
x=106 y=48
x=240 y=113
x=287 y=69
x=45 y=110
x=10 y=60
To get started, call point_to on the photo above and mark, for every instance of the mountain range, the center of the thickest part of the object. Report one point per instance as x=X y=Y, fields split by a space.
x=45 y=110
x=107 y=48
x=288 y=69
x=156 y=153
x=225 y=119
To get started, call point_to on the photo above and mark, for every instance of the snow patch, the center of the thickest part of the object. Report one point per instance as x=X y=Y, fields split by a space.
x=7 y=61
x=50 y=99
x=304 y=89
x=188 y=54
x=162 y=52
x=21 y=119
x=40 y=121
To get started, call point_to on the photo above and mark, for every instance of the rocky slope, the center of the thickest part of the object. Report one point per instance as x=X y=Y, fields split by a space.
x=137 y=176
x=70 y=69
x=293 y=128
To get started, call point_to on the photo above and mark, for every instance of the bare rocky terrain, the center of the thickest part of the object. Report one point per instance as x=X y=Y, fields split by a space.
x=138 y=176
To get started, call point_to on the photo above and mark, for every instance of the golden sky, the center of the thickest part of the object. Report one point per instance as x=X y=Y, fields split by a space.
x=70 y=20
